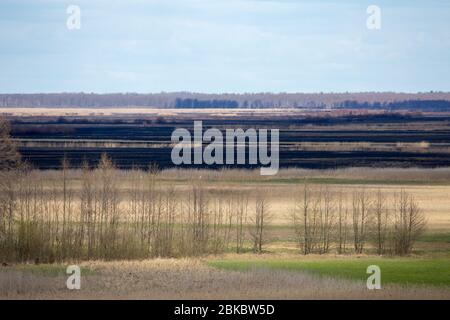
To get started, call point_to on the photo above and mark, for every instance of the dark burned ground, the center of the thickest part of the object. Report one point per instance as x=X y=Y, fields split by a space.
x=141 y=157
x=382 y=130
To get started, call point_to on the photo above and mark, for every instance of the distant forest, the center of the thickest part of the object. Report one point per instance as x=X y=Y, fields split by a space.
x=429 y=101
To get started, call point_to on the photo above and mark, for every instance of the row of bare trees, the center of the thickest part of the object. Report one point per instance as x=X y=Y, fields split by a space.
x=95 y=214
x=390 y=223
x=104 y=213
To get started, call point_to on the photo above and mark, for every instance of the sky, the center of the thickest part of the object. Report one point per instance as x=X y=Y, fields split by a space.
x=217 y=46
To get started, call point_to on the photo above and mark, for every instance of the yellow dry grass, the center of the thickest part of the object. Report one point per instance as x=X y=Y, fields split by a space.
x=433 y=200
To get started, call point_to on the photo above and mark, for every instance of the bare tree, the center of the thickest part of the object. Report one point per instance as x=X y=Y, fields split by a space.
x=66 y=210
x=314 y=220
x=381 y=222
x=301 y=219
x=259 y=222
x=342 y=225
x=327 y=219
x=409 y=223
x=361 y=206
x=9 y=157
x=9 y=185
x=108 y=198
x=87 y=210
x=241 y=220
x=198 y=220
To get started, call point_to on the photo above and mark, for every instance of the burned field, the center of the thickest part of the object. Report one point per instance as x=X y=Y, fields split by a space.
x=323 y=141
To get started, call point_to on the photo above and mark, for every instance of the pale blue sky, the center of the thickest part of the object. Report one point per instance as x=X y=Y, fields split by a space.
x=224 y=46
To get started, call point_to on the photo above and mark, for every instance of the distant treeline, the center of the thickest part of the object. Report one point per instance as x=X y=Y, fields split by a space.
x=439 y=101
x=195 y=103
x=420 y=105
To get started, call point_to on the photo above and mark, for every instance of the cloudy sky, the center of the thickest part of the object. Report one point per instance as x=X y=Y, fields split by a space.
x=224 y=46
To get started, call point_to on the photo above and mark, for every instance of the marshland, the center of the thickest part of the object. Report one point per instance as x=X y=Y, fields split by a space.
x=225 y=228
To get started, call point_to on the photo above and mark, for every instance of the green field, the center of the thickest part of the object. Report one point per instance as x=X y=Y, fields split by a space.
x=49 y=270
x=403 y=271
x=443 y=237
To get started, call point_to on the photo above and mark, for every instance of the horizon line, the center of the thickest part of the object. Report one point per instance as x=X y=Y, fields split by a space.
x=228 y=93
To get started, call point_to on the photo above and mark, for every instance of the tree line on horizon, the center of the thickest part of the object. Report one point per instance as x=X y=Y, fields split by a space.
x=429 y=101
